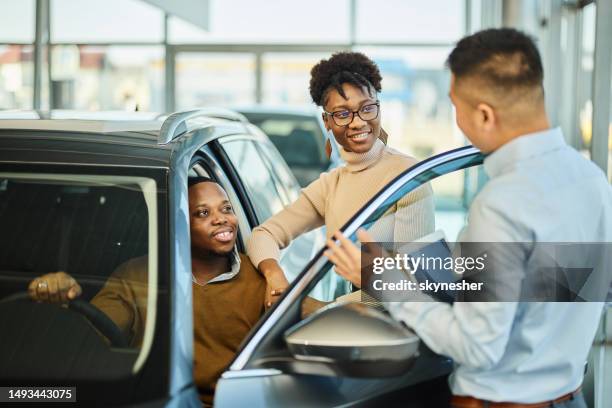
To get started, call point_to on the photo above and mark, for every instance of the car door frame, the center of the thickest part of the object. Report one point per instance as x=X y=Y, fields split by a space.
x=181 y=388
x=272 y=325
x=291 y=256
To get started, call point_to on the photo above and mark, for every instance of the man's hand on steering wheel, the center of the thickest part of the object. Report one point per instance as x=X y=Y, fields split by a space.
x=57 y=287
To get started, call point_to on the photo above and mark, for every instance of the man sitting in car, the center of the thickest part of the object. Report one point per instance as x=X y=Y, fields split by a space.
x=228 y=293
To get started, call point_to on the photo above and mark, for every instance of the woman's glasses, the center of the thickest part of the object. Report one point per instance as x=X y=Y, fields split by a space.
x=345 y=117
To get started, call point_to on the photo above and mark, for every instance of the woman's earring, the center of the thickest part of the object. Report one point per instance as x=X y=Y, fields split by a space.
x=328 y=148
x=328 y=145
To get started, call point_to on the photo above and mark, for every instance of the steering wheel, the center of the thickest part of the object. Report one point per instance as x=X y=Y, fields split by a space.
x=95 y=316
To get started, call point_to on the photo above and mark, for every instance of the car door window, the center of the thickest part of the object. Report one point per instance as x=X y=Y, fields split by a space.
x=282 y=172
x=256 y=176
x=418 y=186
x=430 y=206
x=100 y=231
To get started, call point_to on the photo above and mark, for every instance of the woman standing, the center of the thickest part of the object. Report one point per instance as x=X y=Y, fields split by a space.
x=346 y=86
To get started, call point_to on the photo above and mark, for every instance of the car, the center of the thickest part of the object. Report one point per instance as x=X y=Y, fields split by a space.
x=299 y=134
x=86 y=195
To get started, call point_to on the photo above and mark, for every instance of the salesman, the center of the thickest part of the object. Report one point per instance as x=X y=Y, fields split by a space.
x=512 y=354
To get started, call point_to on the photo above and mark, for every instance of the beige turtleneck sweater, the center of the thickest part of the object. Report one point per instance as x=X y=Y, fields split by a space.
x=337 y=195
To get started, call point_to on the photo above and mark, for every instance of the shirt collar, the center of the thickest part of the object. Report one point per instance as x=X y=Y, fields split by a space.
x=235 y=268
x=523 y=148
x=360 y=161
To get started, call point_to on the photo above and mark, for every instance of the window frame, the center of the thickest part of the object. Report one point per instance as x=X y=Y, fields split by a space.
x=277 y=185
x=157 y=363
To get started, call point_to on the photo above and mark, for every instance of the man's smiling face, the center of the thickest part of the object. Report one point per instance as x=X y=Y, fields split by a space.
x=213 y=224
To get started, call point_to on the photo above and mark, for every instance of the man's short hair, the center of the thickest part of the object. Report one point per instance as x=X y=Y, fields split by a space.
x=192 y=181
x=505 y=59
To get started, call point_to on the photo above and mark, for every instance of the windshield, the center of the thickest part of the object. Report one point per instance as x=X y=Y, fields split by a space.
x=94 y=232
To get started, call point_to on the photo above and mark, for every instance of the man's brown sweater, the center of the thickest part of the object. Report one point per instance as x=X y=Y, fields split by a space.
x=223 y=314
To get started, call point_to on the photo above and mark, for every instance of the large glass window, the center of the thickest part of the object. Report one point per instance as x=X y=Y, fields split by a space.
x=95 y=232
x=584 y=92
x=393 y=21
x=610 y=139
x=214 y=79
x=17 y=20
x=16 y=76
x=415 y=109
x=286 y=77
x=105 y=21
x=108 y=77
x=585 y=80
x=271 y=21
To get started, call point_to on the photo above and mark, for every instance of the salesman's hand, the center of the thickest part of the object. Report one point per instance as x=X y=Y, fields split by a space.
x=346 y=257
x=58 y=287
x=275 y=279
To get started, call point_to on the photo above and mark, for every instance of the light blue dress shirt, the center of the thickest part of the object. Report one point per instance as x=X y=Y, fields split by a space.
x=540 y=190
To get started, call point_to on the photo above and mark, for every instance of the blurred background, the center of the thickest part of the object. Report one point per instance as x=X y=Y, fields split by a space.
x=161 y=55
x=255 y=56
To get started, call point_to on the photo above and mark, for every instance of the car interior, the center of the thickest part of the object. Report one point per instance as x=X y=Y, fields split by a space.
x=85 y=229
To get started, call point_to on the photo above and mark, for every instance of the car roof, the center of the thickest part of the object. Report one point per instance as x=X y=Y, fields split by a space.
x=132 y=143
x=82 y=125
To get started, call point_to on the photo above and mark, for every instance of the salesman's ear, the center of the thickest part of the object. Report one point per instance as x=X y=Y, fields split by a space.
x=485 y=117
x=328 y=148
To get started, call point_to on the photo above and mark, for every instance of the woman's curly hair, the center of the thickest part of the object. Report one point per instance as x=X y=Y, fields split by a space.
x=341 y=68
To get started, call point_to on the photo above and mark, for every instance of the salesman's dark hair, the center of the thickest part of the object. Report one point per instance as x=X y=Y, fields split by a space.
x=341 y=68
x=503 y=58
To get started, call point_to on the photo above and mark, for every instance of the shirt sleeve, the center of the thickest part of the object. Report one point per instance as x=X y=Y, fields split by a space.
x=473 y=334
x=120 y=297
x=305 y=214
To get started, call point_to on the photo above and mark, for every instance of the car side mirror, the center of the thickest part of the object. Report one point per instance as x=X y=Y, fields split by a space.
x=354 y=340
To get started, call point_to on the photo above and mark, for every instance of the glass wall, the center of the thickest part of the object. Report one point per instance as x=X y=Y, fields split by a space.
x=416 y=111
x=105 y=21
x=268 y=22
x=286 y=77
x=17 y=21
x=91 y=77
x=214 y=79
x=585 y=86
x=610 y=138
x=585 y=79
x=16 y=76
x=16 y=55
x=412 y=21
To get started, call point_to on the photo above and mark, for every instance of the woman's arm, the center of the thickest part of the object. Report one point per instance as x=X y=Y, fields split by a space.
x=415 y=215
x=266 y=241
